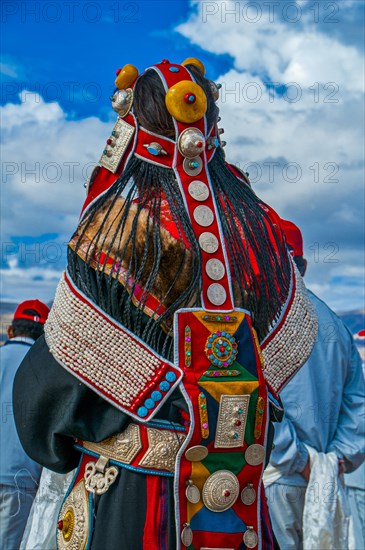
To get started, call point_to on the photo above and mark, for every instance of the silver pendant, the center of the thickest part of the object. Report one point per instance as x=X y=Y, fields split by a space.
x=197 y=453
x=192 y=492
x=220 y=491
x=248 y=495
x=255 y=454
x=208 y=242
x=191 y=143
x=215 y=269
x=198 y=190
x=186 y=535
x=250 y=538
x=203 y=215
x=216 y=294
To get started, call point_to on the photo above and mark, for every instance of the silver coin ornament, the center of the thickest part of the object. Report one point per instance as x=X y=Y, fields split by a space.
x=187 y=535
x=220 y=491
x=208 y=242
x=255 y=454
x=250 y=538
x=191 y=143
x=216 y=294
x=192 y=492
x=215 y=269
x=193 y=167
x=248 y=495
x=203 y=215
x=196 y=453
x=122 y=101
x=198 y=190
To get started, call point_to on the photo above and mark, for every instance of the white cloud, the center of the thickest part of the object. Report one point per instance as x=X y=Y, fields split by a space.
x=46 y=160
x=322 y=132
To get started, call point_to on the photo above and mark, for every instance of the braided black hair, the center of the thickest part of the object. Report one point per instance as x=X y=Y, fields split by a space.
x=128 y=253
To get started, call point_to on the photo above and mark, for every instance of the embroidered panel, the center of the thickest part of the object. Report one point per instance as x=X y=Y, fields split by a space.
x=106 y=356
x=291 y=343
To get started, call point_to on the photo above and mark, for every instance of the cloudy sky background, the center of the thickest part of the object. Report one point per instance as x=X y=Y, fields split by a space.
x=291 y=105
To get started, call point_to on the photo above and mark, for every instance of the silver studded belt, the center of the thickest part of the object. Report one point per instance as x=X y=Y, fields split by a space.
x=140 y=448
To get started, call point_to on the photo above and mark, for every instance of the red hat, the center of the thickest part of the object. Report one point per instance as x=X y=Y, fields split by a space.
x=25 y=311
x=293 y=237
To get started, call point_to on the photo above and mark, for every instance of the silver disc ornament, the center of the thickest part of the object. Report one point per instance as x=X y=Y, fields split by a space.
x=193 y=167
x=191 y=143
x=255 y=454
x=203 y=215
x=208 y=242
x=196 y=453
x=198 y=190
x=216 y=294
x=215 y=269
x=220 y=491
x=122 y=101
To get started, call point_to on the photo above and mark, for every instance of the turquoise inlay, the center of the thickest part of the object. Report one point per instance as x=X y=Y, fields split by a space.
x=149 y=403
x=142 y=412
x=153 y=151
x=170 y=376
x=156 y=395
x=164 y=386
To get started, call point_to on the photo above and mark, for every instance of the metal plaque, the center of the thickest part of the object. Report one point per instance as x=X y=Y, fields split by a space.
x=231 y=424
x=121 y=136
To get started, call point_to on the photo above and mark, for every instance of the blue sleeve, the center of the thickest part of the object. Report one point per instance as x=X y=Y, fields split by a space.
x=349 y=440
x=289 y=455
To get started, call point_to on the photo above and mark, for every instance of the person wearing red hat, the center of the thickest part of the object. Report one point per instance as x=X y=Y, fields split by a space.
x=19 y=475
x=322 y=428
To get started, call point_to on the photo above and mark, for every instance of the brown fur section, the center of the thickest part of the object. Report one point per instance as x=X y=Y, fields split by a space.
x=176 y=260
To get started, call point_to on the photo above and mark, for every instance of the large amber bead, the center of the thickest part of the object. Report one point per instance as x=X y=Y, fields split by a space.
x=186 y=101
x=126 y=77
x=196 y=62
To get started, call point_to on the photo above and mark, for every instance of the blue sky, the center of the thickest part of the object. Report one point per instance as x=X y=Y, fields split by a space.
x=70 y=54
x=301 y=137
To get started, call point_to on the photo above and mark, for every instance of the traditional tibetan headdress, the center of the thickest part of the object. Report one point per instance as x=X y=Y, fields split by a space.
x=194 y=144
x=163 y=240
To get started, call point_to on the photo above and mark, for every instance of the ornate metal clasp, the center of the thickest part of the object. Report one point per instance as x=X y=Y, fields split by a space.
x=98 y=477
